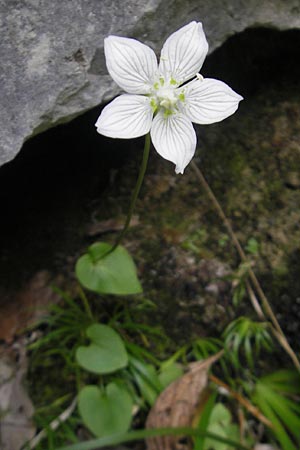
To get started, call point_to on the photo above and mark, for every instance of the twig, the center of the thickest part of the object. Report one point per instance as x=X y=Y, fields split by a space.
x=53 y=425
x=242 y=423
x=266 y=305
x=283 y=342
x=254 y=301
x=243 y=401
x=280 y=338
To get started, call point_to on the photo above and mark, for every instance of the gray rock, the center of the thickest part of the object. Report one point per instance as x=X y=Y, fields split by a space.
x=52 y=62
x=16 y=409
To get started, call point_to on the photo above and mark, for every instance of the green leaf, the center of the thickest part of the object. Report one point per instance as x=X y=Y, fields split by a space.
x=105 y=354
x=252 y=246
x=137 y=435
x=169 y=374
x=284 y=381
x=148 y=393
x=220 y=424
x=283 y=408
x=105 y=412
x=276 y=408
x=146 y=378
x=108 y=273
x=204 y=420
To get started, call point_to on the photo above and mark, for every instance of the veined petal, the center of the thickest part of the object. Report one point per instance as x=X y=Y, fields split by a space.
x=127 y=116
x=131 y=64
x=183 y=53
x=208 y=101
x=174 y=138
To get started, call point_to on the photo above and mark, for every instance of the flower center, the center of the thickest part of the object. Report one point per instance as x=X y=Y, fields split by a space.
x=164 y=97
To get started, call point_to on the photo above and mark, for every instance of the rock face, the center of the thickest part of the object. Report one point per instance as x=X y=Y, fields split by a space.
x=52 y=60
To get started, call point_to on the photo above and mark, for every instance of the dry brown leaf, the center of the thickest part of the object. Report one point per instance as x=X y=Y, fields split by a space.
x=19 y=310
x=110 y=225
x=179 y=403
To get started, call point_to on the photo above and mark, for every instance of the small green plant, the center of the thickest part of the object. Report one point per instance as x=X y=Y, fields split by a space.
x=223 y=240
x=244 y=338
x=239 y=278
x=220 y=423
x=195 y=241
x=106 y=408
x=277 y=395
x=202 y=348
x=115 y=374
x=252 y=246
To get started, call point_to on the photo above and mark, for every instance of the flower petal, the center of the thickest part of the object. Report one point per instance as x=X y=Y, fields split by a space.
x=174 y=138
x=208 y=101
x=127 y=116
x=131 y=64
x=183 y=53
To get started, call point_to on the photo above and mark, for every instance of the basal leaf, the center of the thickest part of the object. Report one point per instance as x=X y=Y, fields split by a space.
x=106 y=352
x=108 y=273
x=105 y=412
x=220 y=424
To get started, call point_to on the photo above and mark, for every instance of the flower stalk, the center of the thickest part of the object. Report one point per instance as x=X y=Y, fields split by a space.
x=136 y=192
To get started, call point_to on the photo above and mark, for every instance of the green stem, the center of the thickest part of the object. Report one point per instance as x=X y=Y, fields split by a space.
x=85 y=303
x=135 y=192
x=150 y=433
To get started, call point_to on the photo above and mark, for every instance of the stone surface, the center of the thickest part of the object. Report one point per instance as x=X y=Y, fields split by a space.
x=52 y=61
x=16 y=408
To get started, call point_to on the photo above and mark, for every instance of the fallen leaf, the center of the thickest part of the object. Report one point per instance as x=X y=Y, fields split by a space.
x=179 y=404
x=19 y=310
x=108 y=226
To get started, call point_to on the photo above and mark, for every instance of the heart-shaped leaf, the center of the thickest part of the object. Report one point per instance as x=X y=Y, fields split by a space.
x=105 y=412
x=220 y=424
x=108 y=273
x=105 y=354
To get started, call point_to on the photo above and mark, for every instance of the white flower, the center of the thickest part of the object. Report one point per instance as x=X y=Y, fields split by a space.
x=157 y=100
